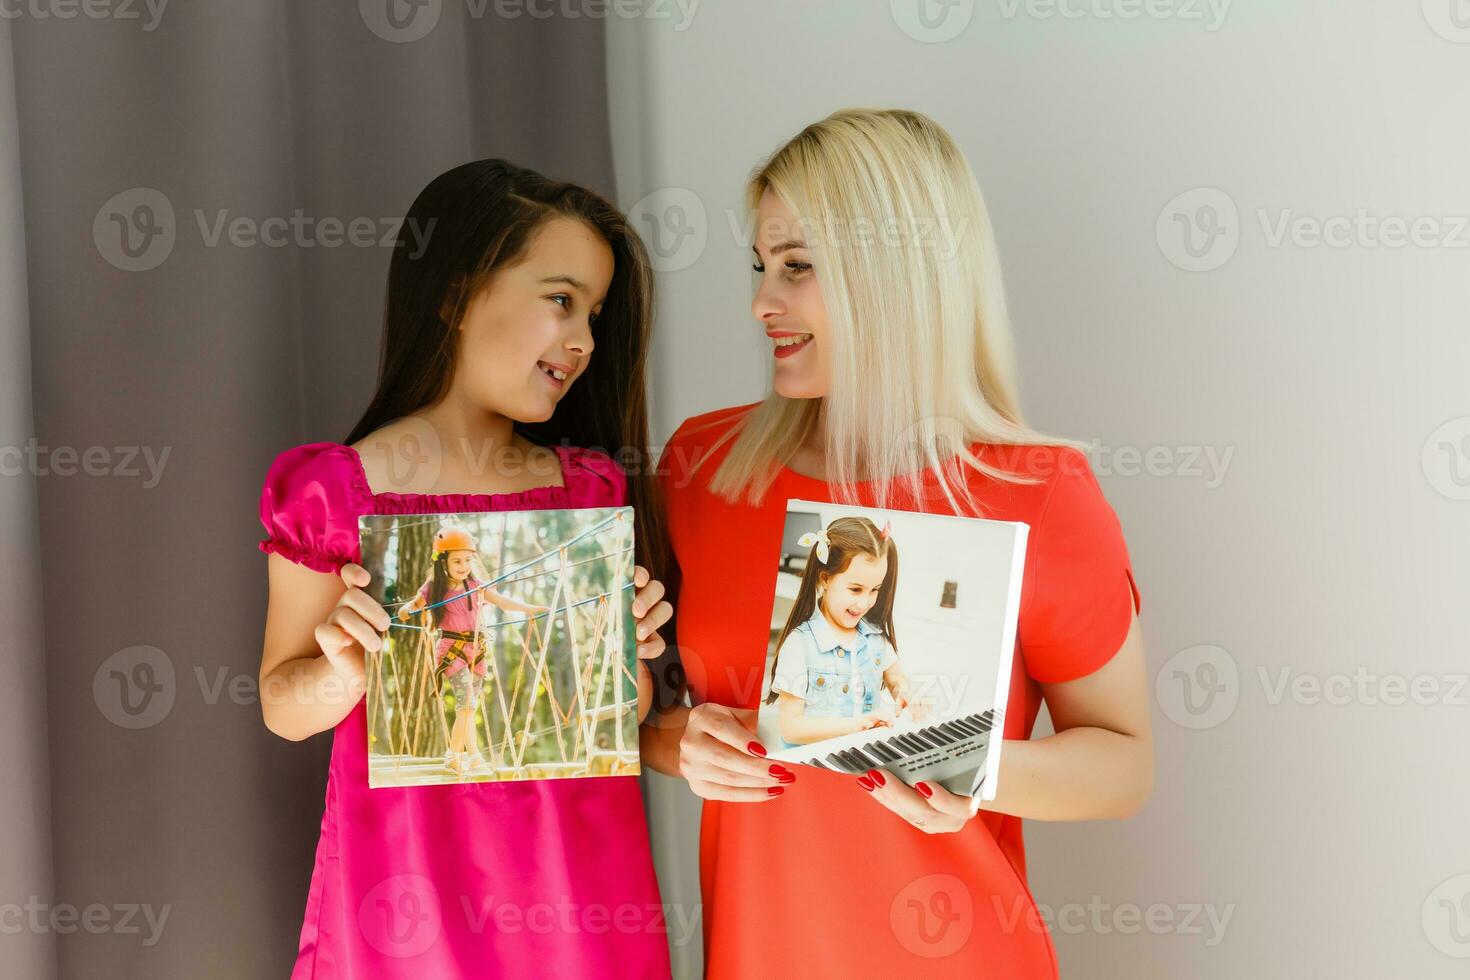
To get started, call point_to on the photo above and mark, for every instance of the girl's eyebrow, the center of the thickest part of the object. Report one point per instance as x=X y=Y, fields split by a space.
x=572 y=281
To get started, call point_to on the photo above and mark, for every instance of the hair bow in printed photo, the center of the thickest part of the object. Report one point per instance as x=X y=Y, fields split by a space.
x=818 y=538
x=887 y=529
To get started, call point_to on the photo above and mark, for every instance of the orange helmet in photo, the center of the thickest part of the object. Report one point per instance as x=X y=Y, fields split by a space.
x=452 y=538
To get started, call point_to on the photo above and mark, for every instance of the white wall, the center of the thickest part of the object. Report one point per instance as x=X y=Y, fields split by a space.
x=1328 y=539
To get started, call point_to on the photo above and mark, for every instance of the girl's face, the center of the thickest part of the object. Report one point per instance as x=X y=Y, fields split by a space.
x=457 y=564
x=527 y=336
x=851 y=593
x=789 y=305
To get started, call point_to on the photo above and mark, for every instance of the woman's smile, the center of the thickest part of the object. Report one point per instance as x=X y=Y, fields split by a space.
x=788 y=343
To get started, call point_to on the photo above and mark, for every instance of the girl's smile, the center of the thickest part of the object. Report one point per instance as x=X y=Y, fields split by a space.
x=555 y=372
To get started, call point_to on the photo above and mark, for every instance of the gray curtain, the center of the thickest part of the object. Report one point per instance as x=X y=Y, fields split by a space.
x=158 y=355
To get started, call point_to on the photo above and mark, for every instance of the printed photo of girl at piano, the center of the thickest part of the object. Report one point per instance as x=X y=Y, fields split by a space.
x=838 y=653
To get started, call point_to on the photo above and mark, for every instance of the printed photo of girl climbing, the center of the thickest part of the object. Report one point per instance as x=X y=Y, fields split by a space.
x=512 y=656
x=877 y=662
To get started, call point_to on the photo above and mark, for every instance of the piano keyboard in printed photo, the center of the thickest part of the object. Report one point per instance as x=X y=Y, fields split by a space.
x=951 y=753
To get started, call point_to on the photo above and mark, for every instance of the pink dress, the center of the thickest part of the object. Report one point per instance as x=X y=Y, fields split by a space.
x=544 y=877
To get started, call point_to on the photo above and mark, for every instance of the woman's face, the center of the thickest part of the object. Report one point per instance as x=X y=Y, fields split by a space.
x=527 y=336
x=789 y=305
x=852 y=592
x=457 y=564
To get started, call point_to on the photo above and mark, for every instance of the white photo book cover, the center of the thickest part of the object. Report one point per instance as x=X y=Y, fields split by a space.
x=511 y=651
x=892 y=638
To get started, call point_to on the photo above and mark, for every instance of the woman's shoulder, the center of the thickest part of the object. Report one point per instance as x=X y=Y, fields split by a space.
x=310 y=499
x=698 y=436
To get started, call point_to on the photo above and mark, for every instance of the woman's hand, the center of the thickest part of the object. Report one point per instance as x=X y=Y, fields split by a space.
x=925 y=805
x=721 y=759
x=356 y=624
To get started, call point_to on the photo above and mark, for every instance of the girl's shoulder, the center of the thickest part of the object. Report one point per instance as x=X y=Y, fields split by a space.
x=310 y=500
x=593 y=478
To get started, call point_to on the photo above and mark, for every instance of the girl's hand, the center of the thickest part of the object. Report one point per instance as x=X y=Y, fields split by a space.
x=650 y=611
x=918 y=708
x=354 y=625
x=881 y=715
x=721 y=759
x=925 y=805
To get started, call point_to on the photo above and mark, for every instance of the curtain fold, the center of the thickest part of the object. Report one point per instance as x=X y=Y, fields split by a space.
x=184 y=306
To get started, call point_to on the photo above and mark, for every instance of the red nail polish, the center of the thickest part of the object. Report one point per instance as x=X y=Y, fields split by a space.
x=775 y=790
x=865 y=783
x=924 y=790
x=779 y=770
x=756 y=748
x=876 y=777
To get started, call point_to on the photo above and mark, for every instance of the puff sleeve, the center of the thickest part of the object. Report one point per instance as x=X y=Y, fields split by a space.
x=309 y=506
x=601 y=481
x=1083 y=594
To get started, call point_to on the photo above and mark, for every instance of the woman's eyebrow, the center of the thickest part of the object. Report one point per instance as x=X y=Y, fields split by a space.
x=782 y=247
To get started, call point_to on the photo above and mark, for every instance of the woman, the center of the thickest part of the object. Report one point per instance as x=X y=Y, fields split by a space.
x=893 y=386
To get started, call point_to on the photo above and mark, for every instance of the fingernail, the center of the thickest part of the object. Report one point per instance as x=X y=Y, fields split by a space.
x=779 y=770
x=876 y=777
x=756 y=748
x=865 y=783
x=775 y=790
x=924 y=790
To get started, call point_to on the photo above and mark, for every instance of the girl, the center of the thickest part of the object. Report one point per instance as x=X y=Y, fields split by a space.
x=489 y=398
x=891 y=381
x=452 y=596
x=839 y=639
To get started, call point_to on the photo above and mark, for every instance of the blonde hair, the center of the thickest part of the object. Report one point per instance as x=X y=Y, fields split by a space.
x=922 y=361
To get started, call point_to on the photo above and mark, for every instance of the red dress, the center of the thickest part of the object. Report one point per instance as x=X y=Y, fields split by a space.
x=823 y=882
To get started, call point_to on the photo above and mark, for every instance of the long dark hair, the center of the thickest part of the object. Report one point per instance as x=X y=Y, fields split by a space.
x=847 y=537
x=439 y=588
x=478 y=218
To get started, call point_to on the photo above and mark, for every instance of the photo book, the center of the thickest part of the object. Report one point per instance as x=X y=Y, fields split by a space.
x=511 y=652
x=891 y=643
